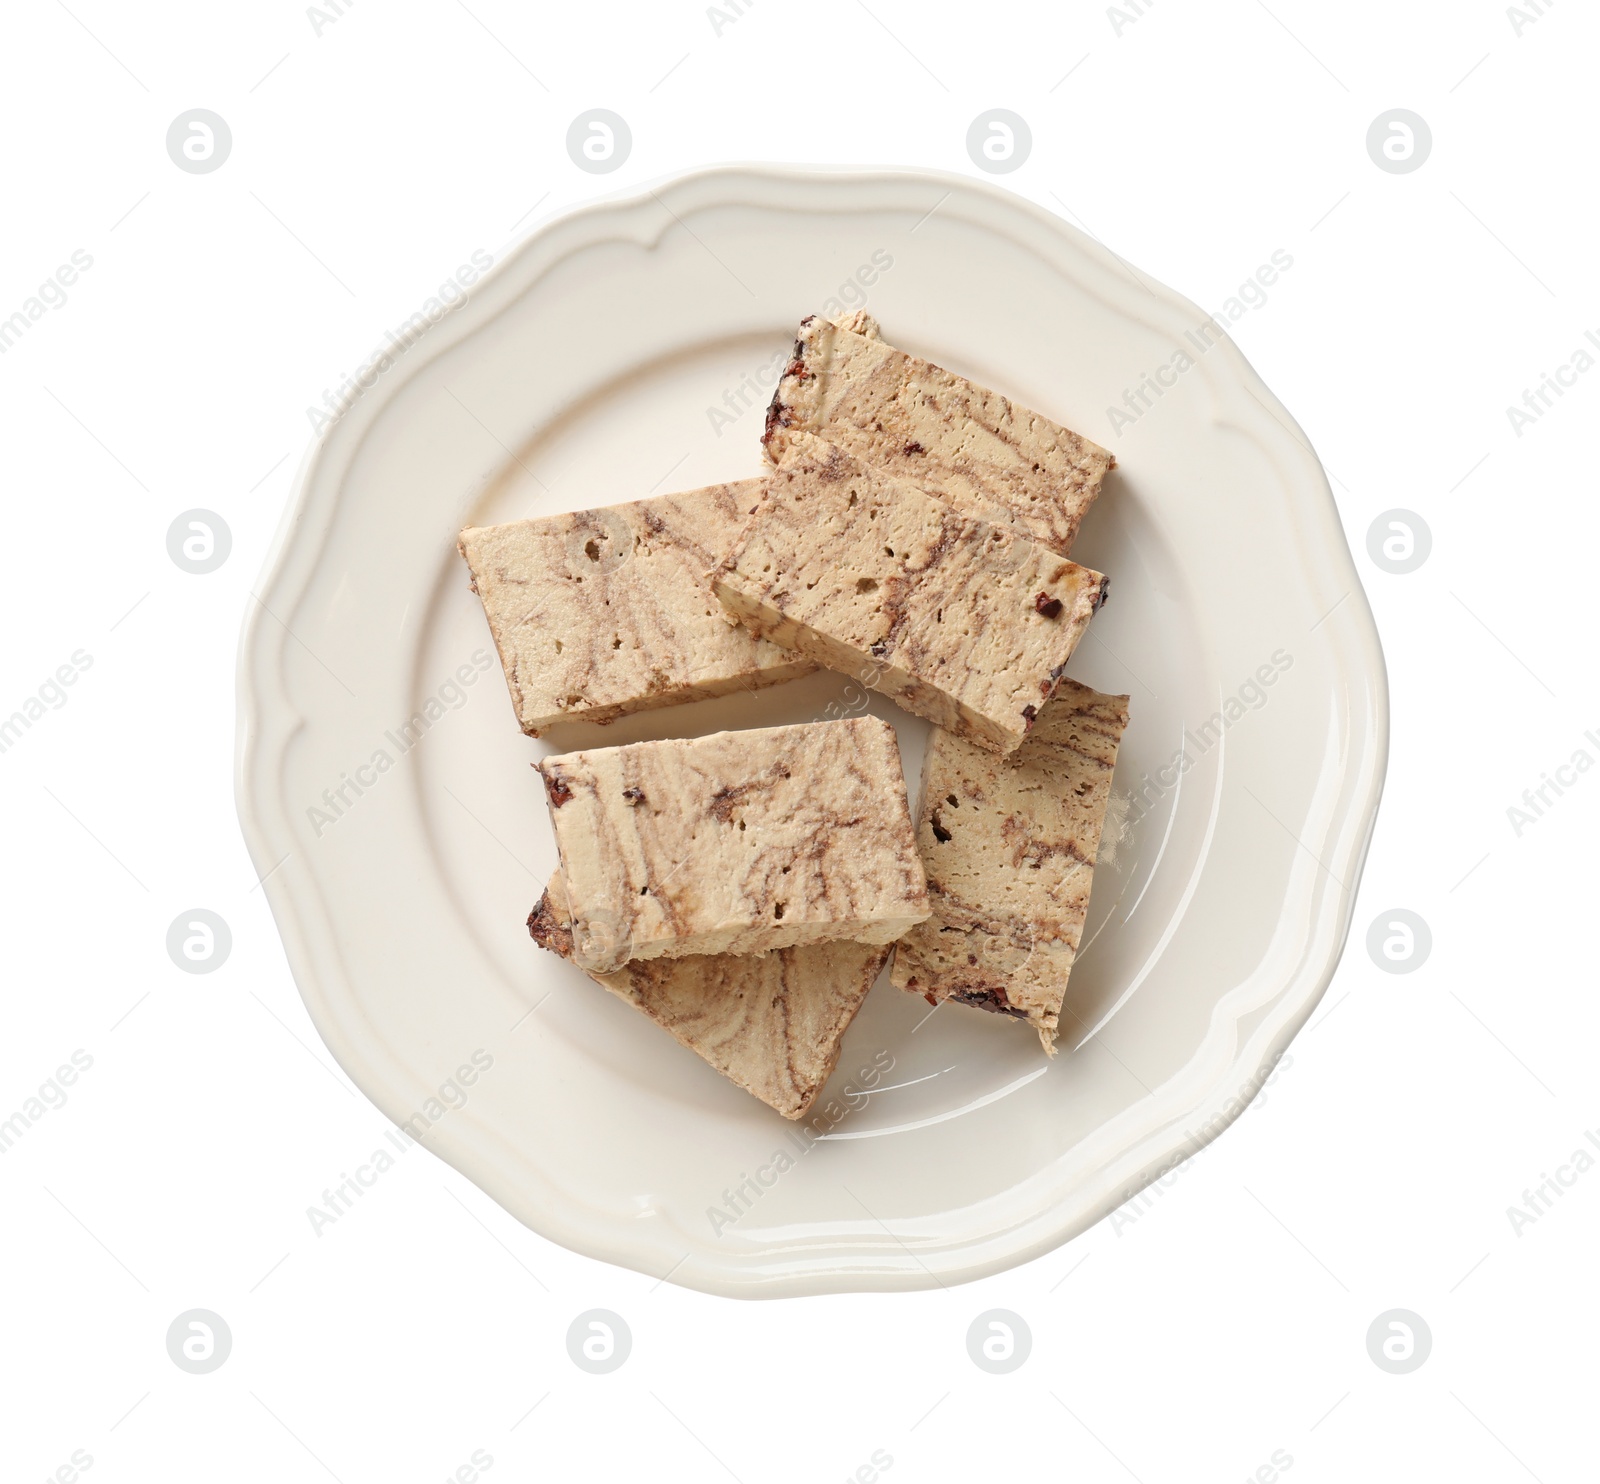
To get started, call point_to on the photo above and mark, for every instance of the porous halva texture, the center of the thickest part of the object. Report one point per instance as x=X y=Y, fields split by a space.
x=983 y=453
x=771 y=1023
x=962 y=622
x=599 y=613
x=739 y=842
x=1009 y=846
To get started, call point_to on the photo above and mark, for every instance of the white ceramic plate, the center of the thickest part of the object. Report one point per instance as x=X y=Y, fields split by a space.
x=584 y=371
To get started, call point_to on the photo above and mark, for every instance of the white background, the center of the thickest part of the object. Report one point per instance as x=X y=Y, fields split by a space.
x=1225 y=1324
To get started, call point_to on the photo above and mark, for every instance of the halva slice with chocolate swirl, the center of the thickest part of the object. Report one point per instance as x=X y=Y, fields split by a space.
x=1009 y=845
x=987 y=456
x=600 y=613
x=739 y=842
x=770 y=1023
x=963 y=623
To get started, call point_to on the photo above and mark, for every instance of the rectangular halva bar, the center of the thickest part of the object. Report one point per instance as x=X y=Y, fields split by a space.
x=961 y=622
x=771 y=1023
x=738 y=842
x=1009 y=846
x=987 y=456
x=600 y=613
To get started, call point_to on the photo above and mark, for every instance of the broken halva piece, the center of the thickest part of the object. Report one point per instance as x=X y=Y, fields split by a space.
x=1009 y=845
x=771 y=1023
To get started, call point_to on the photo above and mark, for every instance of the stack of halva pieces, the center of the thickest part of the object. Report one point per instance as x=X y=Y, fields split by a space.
x=745 y=889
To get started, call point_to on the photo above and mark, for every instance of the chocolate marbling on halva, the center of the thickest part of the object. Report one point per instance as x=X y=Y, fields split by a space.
x=978 y=450
x=1009 y=845
x=604 y=612
x=739 y=842
x=961 y=622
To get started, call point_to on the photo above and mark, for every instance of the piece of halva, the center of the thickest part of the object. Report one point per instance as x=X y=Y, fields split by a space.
x=983 y=453
x=771 y=1023
x=961 y=622
x=600 y=613
x=738 y=842
x=1009 y=846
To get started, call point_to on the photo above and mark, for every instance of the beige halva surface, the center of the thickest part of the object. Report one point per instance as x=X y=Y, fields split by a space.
x=739 y=842
x=987 y=456
x=771 y=1023
x=604 y=612
x=961 y=622
x=1009 y=845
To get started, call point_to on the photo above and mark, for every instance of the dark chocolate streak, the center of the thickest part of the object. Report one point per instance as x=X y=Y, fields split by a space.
x=989 y=999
